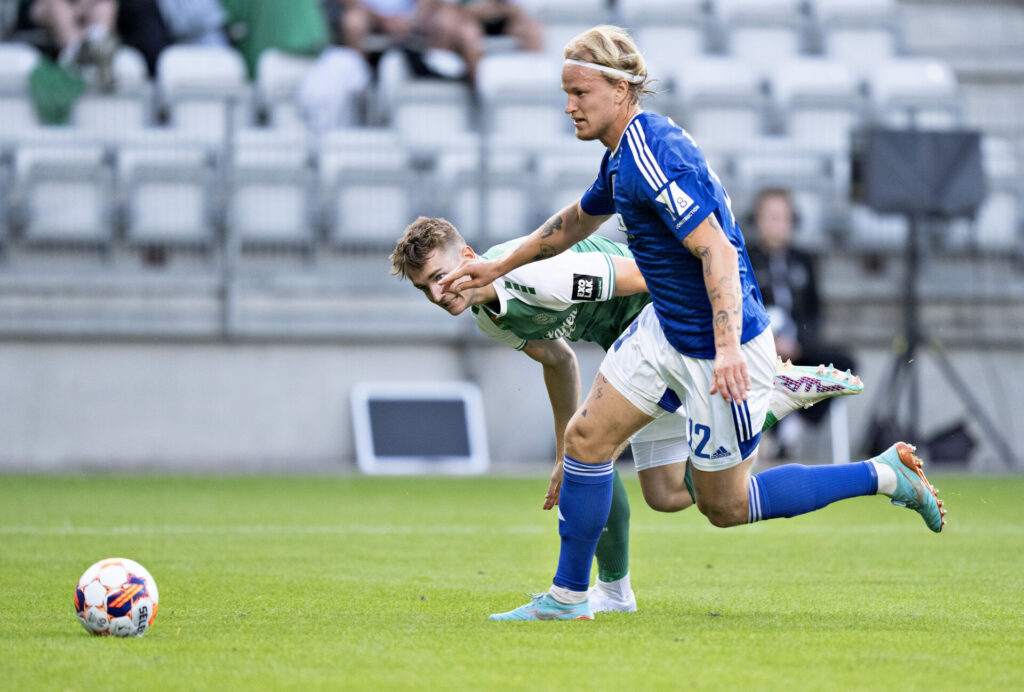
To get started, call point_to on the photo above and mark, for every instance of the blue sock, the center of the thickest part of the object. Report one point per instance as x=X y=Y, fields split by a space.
x=794 y=489
x=583 y=506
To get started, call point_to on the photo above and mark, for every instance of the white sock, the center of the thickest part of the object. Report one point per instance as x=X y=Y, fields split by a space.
x=618 y=589
x=886 y=478
x=566 y=596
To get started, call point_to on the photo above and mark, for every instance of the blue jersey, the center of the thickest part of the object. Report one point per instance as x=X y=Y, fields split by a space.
x=659 y=183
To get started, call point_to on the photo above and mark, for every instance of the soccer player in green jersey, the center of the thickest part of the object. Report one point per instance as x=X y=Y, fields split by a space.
x=591 y=293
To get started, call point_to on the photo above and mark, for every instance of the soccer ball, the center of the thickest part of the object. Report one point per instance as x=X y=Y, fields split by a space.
x=116 y=596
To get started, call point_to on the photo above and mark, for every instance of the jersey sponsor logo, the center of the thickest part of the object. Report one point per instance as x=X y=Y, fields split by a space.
x=586 y=287
x=544 y=318
x=565 y=328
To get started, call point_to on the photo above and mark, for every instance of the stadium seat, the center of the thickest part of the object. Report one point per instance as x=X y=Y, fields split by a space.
x=367 y=185
x=488 y=194
x=858 y=33
x=278 y=75
x=557 y=33
x=17 y=60
x=564 y=172
x=869 y=230
x=201 y=87
x=583 y=11
x=426 y=111
x=522 y=97
x=65 y=193
x=999 y=224
x=128 y=108
x=818 y=101
x=665 y=46
x=271 y=195
x=756 y=30
x=167 y=187
x=720 y=99
x=917 y=91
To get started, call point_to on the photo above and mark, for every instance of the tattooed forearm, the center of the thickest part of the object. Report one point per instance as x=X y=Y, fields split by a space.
x=704 y=253
x=553 y=224
x=545 y=252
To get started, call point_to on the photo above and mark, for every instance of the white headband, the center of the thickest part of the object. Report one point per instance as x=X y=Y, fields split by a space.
x=631 y=78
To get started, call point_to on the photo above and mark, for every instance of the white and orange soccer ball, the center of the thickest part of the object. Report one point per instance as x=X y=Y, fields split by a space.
x=116 y=596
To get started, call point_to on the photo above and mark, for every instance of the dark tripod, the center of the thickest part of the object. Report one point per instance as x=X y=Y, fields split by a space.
x=921 y=174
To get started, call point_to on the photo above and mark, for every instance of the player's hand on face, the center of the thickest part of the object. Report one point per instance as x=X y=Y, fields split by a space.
x=555 y=487
x=471 y=273
x=732 y=380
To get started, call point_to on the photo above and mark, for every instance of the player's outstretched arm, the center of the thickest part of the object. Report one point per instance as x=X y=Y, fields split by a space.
x=720 y=262
x=562 y=379
x=628 y=279
x=559 y=233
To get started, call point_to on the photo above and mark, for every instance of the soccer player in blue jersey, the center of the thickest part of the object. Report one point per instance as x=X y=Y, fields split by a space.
x=591 y=293
x=705 y=334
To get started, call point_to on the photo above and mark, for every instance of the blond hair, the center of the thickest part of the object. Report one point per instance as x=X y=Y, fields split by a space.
x=613 y=47
x=422 y=237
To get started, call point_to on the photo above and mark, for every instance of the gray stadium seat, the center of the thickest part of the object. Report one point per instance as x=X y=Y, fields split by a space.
x=17 y=60
x=858 y=33
x=65 y=192
x=127 y=109
x=167 y=187
x=522 y=97
x=201 y=87
x=557 y=33
x=278 y=75
x=271 y=194
x=762 y=31
x=367 y=186
x=818 y=100
x=427 y=112
x=721 y=99
x=564 y=173
x=486 y=202
x=583 y=11
x=664 y=46
x=917 y=91
x=871 y=231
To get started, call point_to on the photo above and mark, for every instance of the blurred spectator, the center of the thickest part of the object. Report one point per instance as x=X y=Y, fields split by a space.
x=416 y=24
x=149 y=26
x=789 y=284
x=82 y=32
x=337 y=76
x=506 y=18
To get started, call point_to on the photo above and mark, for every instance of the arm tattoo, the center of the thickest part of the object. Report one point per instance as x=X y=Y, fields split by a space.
x=553 y=224
x=545 y=252
x=704 y=253
x=546 y=231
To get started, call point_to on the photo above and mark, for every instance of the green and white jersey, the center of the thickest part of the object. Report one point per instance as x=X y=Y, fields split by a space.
x=570 y=295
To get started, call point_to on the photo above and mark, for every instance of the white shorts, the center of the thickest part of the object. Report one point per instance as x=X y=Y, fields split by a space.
x=644 y=367
x=661 y=442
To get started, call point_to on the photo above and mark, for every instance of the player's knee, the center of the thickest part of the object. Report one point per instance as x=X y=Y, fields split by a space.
x=724 y=514
x=582 y=441
x=667 y=502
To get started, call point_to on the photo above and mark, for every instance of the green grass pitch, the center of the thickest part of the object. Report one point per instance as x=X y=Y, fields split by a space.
x=341 y=583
